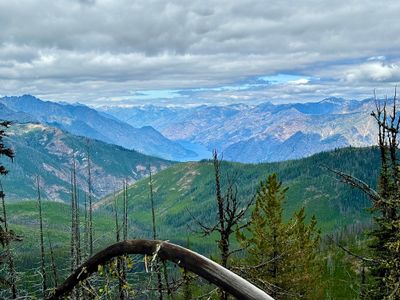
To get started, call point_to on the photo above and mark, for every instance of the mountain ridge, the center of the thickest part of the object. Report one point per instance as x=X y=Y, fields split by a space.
x=85 y=121
x=262 y=128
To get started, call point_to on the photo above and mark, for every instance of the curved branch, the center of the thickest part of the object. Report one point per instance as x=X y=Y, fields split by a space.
x=359 y=184
x=192 y=261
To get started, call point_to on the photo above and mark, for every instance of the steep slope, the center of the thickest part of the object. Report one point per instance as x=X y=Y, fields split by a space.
x=47 y=152
x=189 y=187
x=253 y=133
x=85 y=121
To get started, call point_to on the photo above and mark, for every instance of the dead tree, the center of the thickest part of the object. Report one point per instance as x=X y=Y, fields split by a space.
x=53 y=263
x=385 y=204
x=122 y=261
x=7 y=236
x=90 y=195
x=230 y=214
x=42 y=252
x=75 y=224
x=153 y=219
x=185 y=258
x=77 y=220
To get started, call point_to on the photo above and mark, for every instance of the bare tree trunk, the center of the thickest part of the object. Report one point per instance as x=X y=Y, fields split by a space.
x=77 y=226
x=122 y=261
x=11 y=266
x=73 y=231
x=53 y=263
x=125 y=221
x=42 y=252
x=230 y=214
x=224 y=238
x=86 y=228
x=116 y=218
x=119 y=259
x=90 y=203
x=153 y=216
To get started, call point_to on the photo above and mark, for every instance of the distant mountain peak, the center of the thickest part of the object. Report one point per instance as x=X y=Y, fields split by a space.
x=333 y=100
x=22 y=97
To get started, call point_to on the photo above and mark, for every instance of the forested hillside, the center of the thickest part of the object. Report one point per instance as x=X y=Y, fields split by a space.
x=186 y=190
x=189 y=188
x=48 y=152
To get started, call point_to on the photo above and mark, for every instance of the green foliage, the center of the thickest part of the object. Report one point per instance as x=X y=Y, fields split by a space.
x=190 y=187
x=4 y=151
x=281 y=257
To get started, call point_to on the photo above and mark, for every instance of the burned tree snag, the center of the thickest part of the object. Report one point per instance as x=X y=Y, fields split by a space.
x=42 y=252
x=153 y=218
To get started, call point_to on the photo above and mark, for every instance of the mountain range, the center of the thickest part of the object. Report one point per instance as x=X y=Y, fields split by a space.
x=243 y=133
x=84 y=121
x=261 y=133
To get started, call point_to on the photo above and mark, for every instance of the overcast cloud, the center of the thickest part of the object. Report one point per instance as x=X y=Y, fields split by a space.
x=182 y=52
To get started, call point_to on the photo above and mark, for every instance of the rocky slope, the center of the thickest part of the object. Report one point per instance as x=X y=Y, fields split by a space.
x=265 y=132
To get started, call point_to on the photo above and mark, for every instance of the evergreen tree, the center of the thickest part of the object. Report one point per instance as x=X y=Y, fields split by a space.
x=281 y=256
x=385 y=268
x=8 y=152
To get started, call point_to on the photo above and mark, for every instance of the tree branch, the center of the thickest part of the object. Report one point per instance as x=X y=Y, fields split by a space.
x=357 y=183
x=196 y=263
x=351 y=253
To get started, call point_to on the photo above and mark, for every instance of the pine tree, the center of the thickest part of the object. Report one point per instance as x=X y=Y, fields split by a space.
x=7 y=152
x=304 y=277
x=281 y=256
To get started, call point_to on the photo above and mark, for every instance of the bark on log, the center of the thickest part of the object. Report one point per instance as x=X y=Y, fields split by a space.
x=192 y=261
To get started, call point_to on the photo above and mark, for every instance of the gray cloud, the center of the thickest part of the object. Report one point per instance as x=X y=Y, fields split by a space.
x=86 y=50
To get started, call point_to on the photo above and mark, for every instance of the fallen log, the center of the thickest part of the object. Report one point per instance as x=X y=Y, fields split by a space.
x=185 y=258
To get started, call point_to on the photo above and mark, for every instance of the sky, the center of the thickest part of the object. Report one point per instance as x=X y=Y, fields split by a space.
x=121 y=52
